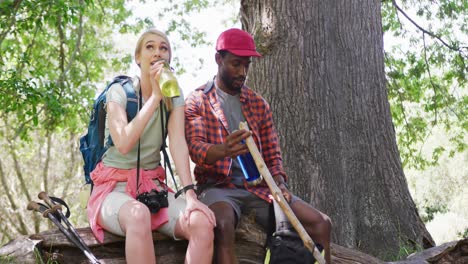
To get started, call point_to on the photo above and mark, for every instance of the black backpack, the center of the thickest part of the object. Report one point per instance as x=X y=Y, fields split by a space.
x=289 y=249
x=284 y=245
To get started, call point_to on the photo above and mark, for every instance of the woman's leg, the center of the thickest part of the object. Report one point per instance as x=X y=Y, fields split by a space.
x=199 y=232
x=135 y=221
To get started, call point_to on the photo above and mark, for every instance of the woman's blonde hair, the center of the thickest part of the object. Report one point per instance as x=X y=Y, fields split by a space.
x=152 y=31
x=139 y=46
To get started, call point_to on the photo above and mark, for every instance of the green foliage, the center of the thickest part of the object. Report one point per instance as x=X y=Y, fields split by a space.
x=40 y=259
x=52 y=55
x=440 y=193
x=406 y=248
x=427 y=75
x=179 y=28
x=6 y=259
x=430 y=211
x=464 y=234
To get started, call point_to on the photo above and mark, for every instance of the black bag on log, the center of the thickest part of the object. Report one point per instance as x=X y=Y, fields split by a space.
x=285 y=246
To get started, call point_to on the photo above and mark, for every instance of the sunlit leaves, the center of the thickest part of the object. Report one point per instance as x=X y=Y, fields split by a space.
x=53 y=56
x=427 y=75
x=61 y=48
x=195 y=5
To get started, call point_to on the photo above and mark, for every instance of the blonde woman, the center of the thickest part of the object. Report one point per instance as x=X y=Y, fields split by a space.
x=112 y=205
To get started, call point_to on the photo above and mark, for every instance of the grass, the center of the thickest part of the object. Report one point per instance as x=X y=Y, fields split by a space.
x=407 y=247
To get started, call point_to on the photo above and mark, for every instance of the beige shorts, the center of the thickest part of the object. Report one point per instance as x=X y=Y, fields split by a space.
x=109 y=215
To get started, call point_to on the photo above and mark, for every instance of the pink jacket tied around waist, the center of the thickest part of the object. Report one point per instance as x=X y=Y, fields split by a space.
x=105 y=179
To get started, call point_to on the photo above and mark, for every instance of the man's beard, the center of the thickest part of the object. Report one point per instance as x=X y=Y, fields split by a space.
x=229 y=83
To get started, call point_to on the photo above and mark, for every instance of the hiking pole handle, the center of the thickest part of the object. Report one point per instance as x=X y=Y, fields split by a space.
x=278 y=196
x=45 y=197
x=86 y=250
x=42 y=209
x=48 y=213
x=33 y=206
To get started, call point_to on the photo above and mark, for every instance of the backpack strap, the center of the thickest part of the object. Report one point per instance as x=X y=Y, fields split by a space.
x=132 y=98
x=93 y=144
x=132 y=103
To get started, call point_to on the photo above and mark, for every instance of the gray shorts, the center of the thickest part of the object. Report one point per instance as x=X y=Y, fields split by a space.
x=242 y=201
x=109 y=215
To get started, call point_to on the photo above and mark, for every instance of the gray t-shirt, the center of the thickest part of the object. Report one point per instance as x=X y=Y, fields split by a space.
x=232 y=108
x=150 y=140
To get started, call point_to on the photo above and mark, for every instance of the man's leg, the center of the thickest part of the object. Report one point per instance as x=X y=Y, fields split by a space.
x=317 y=224
x=224 y=232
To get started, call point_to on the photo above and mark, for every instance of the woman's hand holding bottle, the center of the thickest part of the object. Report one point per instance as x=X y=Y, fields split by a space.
x=155 y=73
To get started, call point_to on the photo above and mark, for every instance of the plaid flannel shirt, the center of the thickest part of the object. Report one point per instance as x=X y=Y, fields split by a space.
x=206 y=125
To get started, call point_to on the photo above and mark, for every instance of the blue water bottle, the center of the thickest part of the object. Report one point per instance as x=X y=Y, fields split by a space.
x=247 y=164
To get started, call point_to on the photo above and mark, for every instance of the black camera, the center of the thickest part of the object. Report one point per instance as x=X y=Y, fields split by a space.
x=154 y=200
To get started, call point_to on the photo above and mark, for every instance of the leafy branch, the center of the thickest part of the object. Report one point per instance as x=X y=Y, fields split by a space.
x=420 y=81
x=7 y=29
x=453 y=47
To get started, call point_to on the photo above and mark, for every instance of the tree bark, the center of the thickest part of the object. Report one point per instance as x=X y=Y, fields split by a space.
x=322 y=72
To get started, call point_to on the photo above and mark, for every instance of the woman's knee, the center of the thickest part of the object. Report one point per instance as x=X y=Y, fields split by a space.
x=135 y=217
x=200 y=226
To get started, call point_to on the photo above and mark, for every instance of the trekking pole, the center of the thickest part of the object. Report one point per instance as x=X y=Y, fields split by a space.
x=87 y=251
x=278 y=196
x=49 y=213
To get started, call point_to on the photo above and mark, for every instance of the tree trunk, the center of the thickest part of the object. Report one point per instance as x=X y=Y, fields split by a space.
x=322 y=72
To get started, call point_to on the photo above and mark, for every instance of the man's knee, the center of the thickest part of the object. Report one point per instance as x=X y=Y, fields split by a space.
x=327 y=223
x=312 y=218
x=225 y=219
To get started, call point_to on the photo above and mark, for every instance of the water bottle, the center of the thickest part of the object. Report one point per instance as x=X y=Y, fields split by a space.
x=168 y=82
x=249 y=169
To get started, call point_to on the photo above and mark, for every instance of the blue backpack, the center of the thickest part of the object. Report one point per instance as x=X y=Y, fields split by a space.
x=92 y=145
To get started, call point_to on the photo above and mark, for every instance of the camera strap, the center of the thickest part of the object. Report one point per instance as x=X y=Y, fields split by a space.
x=140 y=102
x=167 y=164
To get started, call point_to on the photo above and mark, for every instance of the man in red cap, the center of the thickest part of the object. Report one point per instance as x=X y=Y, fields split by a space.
x=212 y=116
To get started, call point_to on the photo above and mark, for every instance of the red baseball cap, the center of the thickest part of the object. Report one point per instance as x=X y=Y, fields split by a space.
x=237 y=42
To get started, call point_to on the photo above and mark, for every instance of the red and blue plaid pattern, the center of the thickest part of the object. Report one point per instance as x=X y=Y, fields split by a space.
x=206 y=125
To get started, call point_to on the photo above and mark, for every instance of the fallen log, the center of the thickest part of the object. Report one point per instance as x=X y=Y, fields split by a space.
x=52 y=245
x=454 y=252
